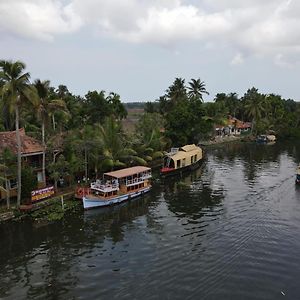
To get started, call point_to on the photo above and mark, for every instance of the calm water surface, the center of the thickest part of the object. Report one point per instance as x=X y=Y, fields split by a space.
x=230 y=230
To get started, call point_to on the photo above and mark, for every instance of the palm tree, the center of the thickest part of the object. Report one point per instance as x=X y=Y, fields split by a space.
x=254 y=106
x=196 y=89
x=116 y=152
x=15 y=91
x=45 y=108
x=177 y=91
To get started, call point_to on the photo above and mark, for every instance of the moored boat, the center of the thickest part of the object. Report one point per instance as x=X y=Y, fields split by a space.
x=266 y=138
x=298 y=175
x=180 y=159
x=116 y=187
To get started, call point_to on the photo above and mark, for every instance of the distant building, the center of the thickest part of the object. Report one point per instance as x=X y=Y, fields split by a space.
x=31 y=154
x=233 y=126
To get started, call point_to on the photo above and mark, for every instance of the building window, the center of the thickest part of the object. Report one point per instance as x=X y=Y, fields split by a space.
x=183 y=162
x=39 y=177
x=178 y=163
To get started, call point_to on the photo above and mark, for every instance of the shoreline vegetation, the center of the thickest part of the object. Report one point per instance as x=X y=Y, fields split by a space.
x=81 y=137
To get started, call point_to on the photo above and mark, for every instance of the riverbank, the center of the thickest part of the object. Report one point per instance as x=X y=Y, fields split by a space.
x=55 y=207
x=49 y=209
x=217 y=140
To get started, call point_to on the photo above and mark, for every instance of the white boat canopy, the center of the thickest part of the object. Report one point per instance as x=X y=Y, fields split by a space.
x=127 y=172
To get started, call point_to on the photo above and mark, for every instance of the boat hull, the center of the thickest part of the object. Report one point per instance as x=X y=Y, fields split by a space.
x=89 y=202
x=183 y=169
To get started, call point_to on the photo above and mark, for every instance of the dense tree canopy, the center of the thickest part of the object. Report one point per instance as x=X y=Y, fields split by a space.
x=84 y=136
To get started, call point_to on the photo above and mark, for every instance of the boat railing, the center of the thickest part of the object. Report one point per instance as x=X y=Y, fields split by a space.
x=138 y=179
x=105 y=186
x=146 y=176
x=174 y=150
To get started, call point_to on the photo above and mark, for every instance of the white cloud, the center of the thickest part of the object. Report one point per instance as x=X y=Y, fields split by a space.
x=41 y=19
x=238 y=59
x=250 y=27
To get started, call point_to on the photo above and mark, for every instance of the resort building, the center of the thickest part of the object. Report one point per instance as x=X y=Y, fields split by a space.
x=32 y=152
x=233 y=126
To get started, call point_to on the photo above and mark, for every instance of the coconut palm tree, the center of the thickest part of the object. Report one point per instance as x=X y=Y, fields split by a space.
x=177 y=91
x=45 y=108
x=254 y=106
x=116 y=151
x=196 y=89
x=16 y=90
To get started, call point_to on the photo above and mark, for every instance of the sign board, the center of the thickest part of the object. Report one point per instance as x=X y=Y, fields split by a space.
x=42 y=193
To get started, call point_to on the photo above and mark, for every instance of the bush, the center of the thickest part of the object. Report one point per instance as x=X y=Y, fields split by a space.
x=29 y=183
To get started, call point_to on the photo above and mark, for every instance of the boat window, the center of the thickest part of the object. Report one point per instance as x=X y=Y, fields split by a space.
x=178 y=163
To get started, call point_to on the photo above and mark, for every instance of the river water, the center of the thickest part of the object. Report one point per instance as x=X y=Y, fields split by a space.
x=230 y=230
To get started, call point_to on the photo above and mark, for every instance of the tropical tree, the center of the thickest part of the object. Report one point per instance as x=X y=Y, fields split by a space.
x=148 y=141
x=196 y=89
x=59 y=169
x=16 y=90
x=45 y=109
x=85 y=141
x=116 y=151
x=254 y=106
x=116 y=106
x=7 y=169
x=177 y=91
x=96 y=107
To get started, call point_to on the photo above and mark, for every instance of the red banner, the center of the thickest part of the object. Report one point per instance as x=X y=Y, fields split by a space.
x=42 y=193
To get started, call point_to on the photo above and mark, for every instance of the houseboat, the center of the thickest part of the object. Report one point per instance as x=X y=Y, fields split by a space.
x=116 y=187
x=264 y=139
x=180 y=159
x=298 y=175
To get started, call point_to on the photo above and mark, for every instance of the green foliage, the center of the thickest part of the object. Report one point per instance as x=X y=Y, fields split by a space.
x=59 y=169
x=29 y=182
x=184 y=112
x=85 y=133
x=97 y=107
x=196 y=89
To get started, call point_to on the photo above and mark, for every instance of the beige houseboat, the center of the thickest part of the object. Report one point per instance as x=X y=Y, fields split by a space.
x=180 y=159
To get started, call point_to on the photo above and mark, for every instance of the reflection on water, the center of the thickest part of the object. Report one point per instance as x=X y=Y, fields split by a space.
x=229 y=230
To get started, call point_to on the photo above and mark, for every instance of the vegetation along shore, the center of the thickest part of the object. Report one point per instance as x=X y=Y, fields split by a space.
x=51 y=137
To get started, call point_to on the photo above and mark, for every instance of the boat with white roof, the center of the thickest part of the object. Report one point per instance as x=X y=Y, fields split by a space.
x=116 y=187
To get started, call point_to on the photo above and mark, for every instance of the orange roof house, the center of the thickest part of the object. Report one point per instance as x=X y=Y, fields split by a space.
x=31 y=152
x=233 y=126
x=29 y=145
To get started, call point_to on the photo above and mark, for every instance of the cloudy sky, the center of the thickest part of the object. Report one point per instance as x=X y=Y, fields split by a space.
x=137 y=47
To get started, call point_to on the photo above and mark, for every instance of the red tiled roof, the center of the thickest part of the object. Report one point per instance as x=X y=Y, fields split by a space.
x=244 y=125
x=28 y=144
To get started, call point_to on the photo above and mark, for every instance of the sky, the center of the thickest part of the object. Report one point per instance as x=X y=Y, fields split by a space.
x=136 y=48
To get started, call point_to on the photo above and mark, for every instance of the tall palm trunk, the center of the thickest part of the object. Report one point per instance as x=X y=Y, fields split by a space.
x=18 y=157
x=7 y=194
x=44 y=152
x=53 y=121
x=86 y=162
